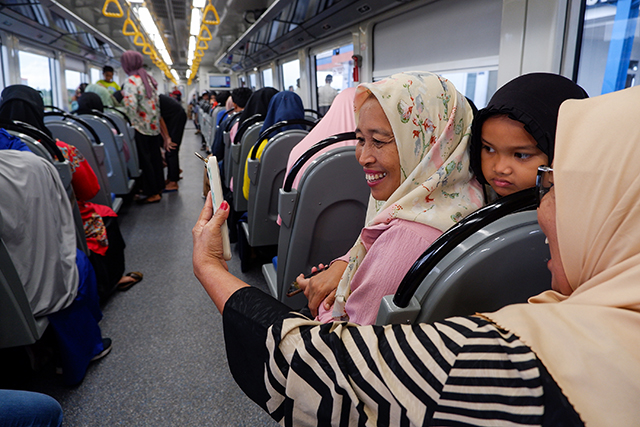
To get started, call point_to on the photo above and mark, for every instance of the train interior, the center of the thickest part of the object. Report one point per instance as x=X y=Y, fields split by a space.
x=168 y=363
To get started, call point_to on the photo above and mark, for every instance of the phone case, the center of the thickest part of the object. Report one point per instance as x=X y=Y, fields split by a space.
x=216 y=194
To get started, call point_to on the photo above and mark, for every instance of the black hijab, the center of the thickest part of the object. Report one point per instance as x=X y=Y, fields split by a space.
x=532 y=99
x=258 y=103
x=89 y=101
x=25 y=104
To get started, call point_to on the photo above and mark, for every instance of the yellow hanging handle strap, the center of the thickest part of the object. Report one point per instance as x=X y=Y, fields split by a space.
x=129 y=23
x=118 y=14
x=209 y=21
x=205 y=34
x=139 y=40
x=202 y=44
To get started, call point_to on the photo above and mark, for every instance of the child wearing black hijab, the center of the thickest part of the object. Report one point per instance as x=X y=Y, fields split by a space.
x=515 y=132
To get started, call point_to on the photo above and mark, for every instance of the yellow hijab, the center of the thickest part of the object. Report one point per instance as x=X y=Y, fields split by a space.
x=431 y=123
x=590 y=341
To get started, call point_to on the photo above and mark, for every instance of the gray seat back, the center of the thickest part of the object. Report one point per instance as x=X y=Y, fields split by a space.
x=321 y=220
x=64 y=171
x=17 y=325
x=119 y=180
x=503 y=263
x=239 y=153
x=266 y=176
x=128 y=134
x=93 y=151
x=226 y=137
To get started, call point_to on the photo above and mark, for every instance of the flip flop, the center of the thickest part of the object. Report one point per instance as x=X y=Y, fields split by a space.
x=135 y=275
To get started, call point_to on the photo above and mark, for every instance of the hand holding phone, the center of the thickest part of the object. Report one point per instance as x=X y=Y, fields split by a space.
x=217 y=198
x=295 y=289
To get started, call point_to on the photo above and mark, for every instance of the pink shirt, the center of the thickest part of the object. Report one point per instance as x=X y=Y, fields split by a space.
x=391 y=251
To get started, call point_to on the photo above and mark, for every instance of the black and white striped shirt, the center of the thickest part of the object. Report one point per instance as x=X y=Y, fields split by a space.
x=462 y=371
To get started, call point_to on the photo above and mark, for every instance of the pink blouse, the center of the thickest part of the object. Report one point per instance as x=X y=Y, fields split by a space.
x=391 y=250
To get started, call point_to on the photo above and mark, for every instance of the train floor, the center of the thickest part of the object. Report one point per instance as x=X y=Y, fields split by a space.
x=168 y=364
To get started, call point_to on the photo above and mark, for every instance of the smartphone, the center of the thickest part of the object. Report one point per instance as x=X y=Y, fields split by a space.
x=294 y=289
x=216 y=195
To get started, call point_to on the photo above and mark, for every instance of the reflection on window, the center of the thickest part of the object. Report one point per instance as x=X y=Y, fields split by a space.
x=35 y=71
x=267 y=77
x=334 y=72
x=252 y=81
x=291 y=75
x=73 y=80
x=608 y=56
x=479 y=86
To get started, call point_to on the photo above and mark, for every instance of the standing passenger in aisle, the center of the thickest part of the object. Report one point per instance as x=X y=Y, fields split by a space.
x=175 y=118
x=141 y=105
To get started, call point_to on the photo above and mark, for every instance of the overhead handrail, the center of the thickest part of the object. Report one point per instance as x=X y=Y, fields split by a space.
x=517 y=202
x=118 y=14
x=307 y=155
x=129 y=22
x=213 y=10
x=275 y=127
x=205 y=29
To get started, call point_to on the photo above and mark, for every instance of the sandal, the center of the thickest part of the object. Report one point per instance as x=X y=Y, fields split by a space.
x=135 y=275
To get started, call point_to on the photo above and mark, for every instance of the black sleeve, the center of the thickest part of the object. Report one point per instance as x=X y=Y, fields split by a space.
x=248 y=314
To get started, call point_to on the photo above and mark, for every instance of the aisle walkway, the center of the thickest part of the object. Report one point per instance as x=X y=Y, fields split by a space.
x=168 y=365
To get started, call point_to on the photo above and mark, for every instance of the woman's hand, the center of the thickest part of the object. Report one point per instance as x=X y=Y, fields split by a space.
x=322 y=286
x=169 y=145
x=209 y=265
x=207 y=238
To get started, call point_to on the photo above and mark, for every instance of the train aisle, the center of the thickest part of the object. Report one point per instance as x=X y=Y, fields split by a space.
x=168 y=364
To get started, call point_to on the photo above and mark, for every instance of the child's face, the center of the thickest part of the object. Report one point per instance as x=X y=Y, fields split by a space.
x=510 y=156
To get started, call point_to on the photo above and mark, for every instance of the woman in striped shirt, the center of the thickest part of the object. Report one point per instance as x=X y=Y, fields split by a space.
x=569 y=357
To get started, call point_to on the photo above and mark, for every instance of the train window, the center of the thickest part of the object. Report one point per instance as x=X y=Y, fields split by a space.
x=608 y=55
x=73 y=80
x=35 y=71
x=96 y=74
x=253 y=81
x=334 y=72
x=267 y=77
x=290 y=72
x=242 y=81
x=477 y=86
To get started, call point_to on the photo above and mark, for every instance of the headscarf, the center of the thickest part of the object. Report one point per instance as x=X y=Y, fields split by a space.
x=258 y=103
x=431 y=123
x=284 y=105
x=104 y=94
x=339 y=119
x=25 y=104
x=590 y=341
x=88 y=102
x=531 y=99
x=132 y=62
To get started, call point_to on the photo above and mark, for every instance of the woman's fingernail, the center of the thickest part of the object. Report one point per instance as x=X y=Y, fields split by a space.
x=224 y=205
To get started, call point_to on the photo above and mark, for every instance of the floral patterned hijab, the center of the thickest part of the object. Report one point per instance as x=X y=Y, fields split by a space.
x=431 y=123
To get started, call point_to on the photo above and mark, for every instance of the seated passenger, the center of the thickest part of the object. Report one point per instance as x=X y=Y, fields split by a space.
x=258 y=103
x=338 y=119
x=413 y=133
x=104 y=240
x=569 y=357
x=105 y=95
x=60 y=283
x=284 y=105
x=515 y=133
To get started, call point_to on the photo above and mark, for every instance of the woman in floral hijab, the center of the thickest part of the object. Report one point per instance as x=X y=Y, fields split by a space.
x=413 y=131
